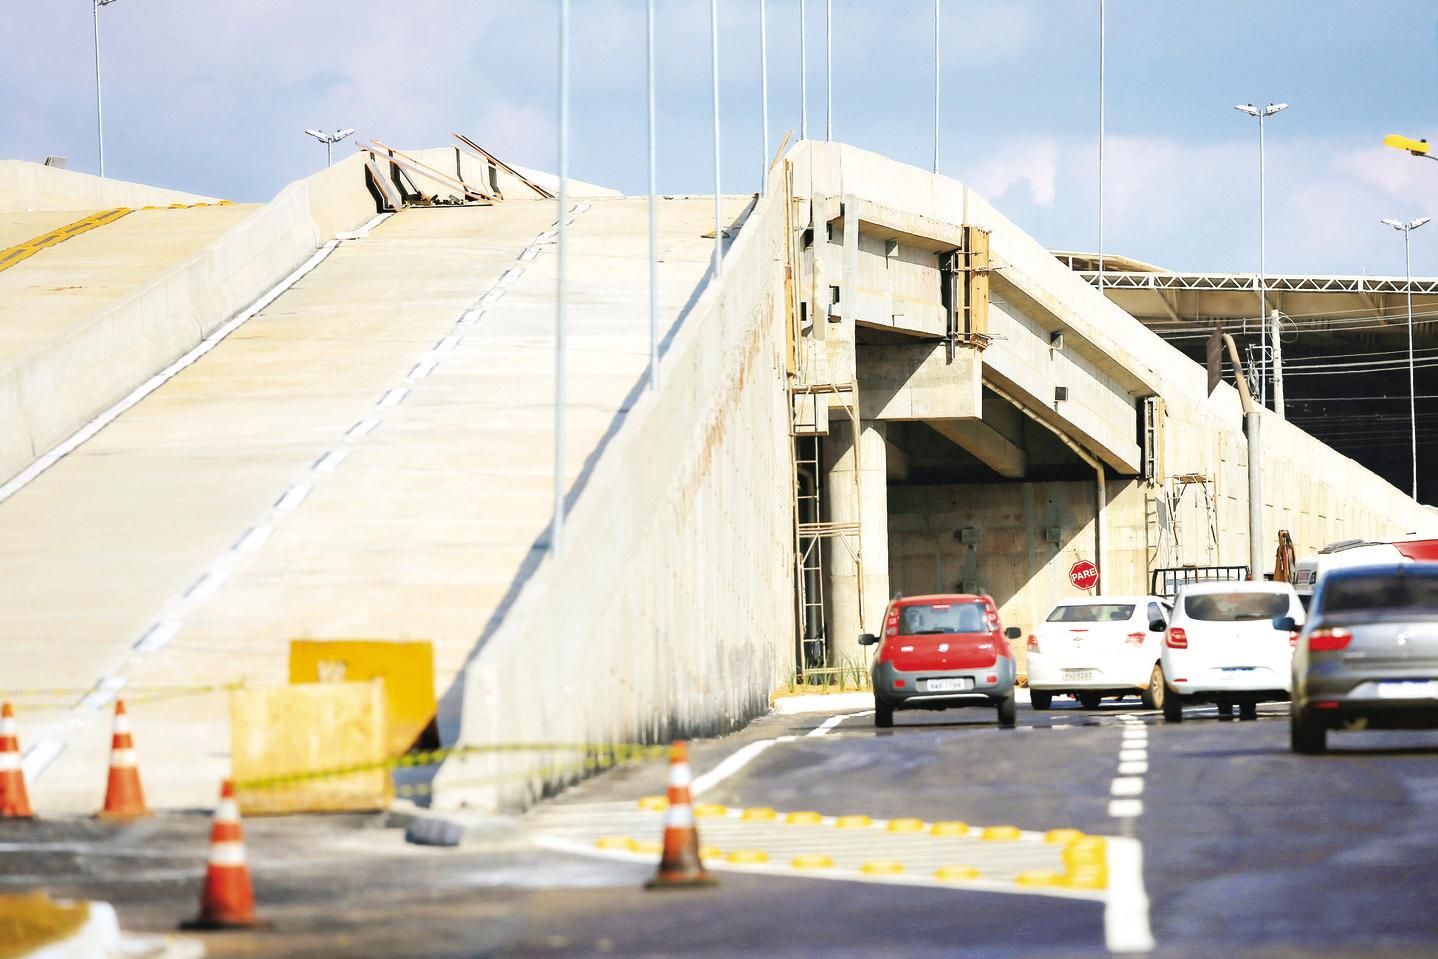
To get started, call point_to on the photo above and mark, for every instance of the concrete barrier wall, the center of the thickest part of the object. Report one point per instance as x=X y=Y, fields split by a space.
x=670 y=611
x=50 y=392
x=28 y=186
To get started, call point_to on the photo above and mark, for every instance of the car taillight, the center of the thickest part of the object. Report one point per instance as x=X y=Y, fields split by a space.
x=1033 y=643
x=1176 y=638
x=1328 y=640
x=1135 y=639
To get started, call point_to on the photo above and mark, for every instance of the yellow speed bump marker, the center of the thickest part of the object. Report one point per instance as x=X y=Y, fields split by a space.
x=710 y=810
x=955 y=873
x=1062 y=837
x=1039 y=877
x=951 y=827
x=805 y=818
x=1086 y=877
x=882 y=867
x=907 y=825
x=654 y=803
x=812 y=862
x=759 y=814
x=647 y=847
x=853 y=822
x=1085 y=853
x=1001 y=833
x=710 y=852
x=747 y=857
x=617 y=842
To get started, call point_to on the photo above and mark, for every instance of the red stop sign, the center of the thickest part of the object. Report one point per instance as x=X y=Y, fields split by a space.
x=1083 y=574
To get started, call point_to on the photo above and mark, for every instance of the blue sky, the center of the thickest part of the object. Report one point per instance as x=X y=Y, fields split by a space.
x=213 y=97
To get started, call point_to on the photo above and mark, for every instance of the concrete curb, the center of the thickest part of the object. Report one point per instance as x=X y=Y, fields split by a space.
x=823 y=703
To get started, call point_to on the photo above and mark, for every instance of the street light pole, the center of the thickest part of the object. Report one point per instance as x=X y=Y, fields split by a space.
x=1407 y=229
x=329 y=140
x=764 y=91
x=99 y=101
x=936 y=85
x=1101 y=48
x=829 y=69
x=1263 y=317
x=803 y=69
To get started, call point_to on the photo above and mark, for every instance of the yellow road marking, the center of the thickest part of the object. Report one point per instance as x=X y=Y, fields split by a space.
x=23 y=251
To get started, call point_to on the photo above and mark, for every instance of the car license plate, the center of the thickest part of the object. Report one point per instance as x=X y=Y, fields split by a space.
x=1408 y=689
x=1239 y=669
x=1078 y=674
x=947 y=685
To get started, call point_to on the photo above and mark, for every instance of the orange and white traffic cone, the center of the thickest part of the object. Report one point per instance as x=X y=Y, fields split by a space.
x=14 y=799
x=680 y=865
x=124 y=797
x=227 y=901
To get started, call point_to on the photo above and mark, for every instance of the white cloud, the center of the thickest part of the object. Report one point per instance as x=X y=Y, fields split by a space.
x=1029 y=162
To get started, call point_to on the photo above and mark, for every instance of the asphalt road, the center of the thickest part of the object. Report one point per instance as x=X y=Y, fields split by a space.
x=1248 y=851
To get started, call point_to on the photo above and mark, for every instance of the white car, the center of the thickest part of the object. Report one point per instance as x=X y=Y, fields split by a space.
x=1221 y=647
x=1099 y=646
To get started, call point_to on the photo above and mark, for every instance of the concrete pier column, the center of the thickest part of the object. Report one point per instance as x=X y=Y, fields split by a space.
x=868 y=504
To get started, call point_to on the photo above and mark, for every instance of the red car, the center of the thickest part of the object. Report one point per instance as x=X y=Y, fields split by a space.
x=940 y=652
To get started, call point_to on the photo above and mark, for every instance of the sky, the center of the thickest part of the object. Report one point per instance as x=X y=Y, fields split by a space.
x=214 y=97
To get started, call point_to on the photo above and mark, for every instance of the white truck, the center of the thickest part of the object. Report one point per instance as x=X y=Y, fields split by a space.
x=1357 y=552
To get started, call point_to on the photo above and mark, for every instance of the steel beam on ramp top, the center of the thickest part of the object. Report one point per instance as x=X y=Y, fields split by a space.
x=425 y=170
x=484 y=154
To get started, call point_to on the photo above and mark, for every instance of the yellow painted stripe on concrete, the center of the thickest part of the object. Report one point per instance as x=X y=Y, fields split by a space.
x=23 y=251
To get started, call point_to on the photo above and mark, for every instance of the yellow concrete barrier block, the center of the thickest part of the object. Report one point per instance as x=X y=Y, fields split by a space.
x=624 y=843
x=654 y=803
x=1039 y=877
x=1062 y=837
x=882 y=867
x=407 y=669
x=907 y=825
x=759 y=814
x=30 y=922
x=313 y=748
x=812 y=862
x=950 y=827
x=853 y=822
x=805 y=818
x=747 y=857
x=710 y=810
x=955 y=873
x=1001 y=833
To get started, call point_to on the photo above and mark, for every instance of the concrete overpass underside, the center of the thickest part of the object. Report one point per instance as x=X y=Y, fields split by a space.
x=890 y=388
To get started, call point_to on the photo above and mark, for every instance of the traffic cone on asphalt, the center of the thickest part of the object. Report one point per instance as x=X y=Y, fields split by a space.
x=14 y=799
x=124 y=797
x=680 y=865
x=227 y=901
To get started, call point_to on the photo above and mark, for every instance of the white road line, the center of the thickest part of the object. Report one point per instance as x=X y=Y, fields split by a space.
x=38 y=758
x=362 y=428
x=158 y=636
x=104 y=692
x=1127 y=786
x=331 y=460
x=1133 y=767
x=394 y=397
x=1129 y=755
x=1125 y=915
x=448 y=343
x=293 y=497
x=422 y=369
x=729 y=766
x=1125 y=808
x=824 y=728
x=206 y=586
x=254 y=538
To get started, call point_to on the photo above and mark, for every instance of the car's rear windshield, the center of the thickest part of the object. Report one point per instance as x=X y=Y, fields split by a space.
x=944 y=618
x=1097 y=613
x=1381 y=591
x=1235 y=607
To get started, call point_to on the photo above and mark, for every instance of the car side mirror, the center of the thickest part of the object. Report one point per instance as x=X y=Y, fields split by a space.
x=867 y=639
x=1013 y=632
x=1285 y=624
x=1157 y=626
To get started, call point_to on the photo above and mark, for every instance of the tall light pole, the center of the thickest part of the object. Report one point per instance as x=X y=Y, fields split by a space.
x=329 y=140
x=718 y=199
x=556 y=532
x=1263 y=318
x=653 y=204
x=803 y=69
x=764 y=91
x=1100 y=142
x=1408 y=228
x=99 y=103
x=829 y=69
x=936 y=85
